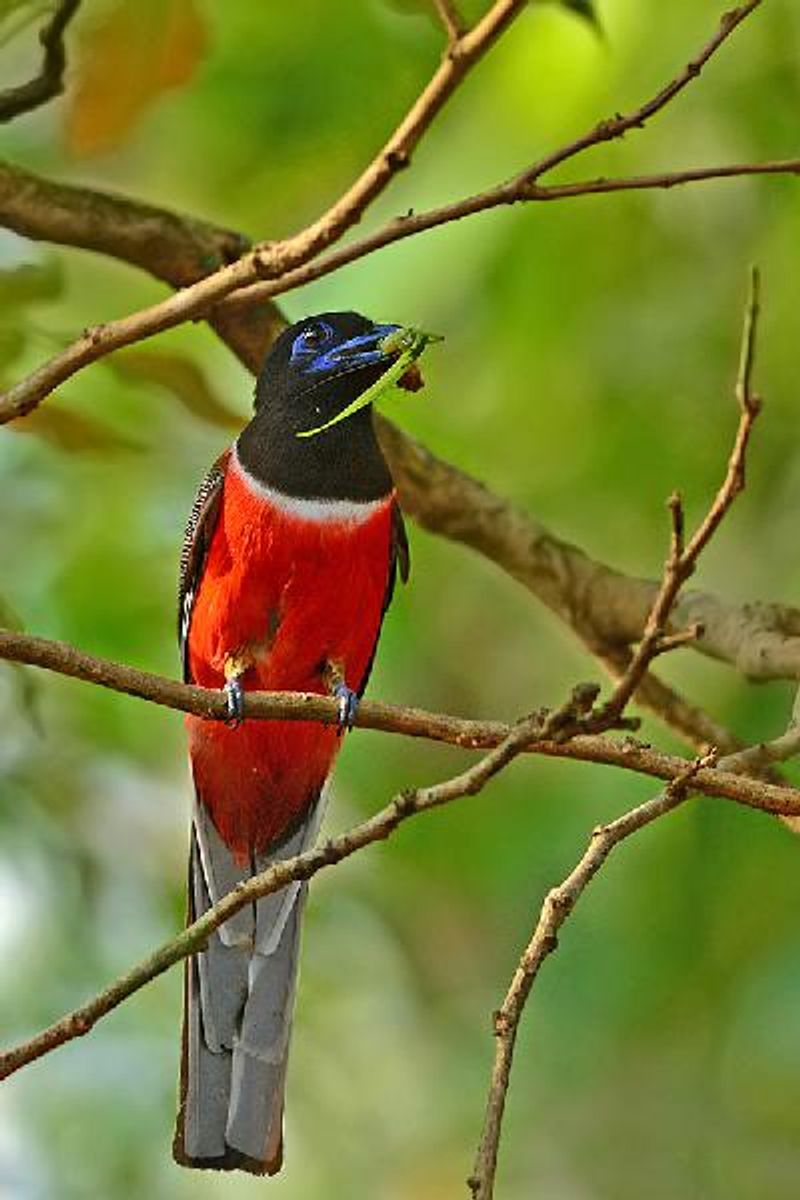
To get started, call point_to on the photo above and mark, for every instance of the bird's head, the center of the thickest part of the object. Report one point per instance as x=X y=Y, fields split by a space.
x=318 y=367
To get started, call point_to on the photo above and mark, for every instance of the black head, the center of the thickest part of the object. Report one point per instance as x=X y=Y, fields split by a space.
x=319 y=365
x=314 y=370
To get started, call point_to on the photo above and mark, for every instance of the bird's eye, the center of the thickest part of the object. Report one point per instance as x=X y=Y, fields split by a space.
x=312 y=339
x=316 y=336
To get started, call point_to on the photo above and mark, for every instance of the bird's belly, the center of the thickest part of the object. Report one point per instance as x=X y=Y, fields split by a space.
x=303 y=594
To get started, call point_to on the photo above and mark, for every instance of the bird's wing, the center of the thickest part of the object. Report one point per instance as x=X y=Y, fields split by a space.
x=399 y=564
x=196 y=541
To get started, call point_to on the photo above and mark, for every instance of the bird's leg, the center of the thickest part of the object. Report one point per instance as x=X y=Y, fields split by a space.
x=235 y=667
x=346 y=698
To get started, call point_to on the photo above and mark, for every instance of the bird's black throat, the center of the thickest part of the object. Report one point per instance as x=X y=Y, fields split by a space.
x=343 y=462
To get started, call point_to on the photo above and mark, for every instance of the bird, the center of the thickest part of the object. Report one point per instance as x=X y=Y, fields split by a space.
x=289 y=563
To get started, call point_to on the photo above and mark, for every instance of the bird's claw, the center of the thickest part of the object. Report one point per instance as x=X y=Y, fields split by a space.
x=234 y=696
x=347 y=701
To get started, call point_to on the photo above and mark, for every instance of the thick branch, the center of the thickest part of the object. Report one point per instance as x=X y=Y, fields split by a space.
x=50 y=81
x=176 y=249
x=410 y=722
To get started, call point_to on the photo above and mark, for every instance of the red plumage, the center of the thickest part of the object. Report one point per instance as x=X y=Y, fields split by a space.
x=295 y=594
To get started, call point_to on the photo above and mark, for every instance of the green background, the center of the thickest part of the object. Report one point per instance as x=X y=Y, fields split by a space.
x=587 y=371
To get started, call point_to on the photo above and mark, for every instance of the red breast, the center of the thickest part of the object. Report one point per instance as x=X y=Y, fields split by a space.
x=304 y=582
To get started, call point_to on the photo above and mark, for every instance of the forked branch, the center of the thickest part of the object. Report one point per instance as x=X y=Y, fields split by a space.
x=288 y=264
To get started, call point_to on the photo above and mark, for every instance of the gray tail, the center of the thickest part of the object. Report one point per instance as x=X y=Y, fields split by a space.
x=238 y=1003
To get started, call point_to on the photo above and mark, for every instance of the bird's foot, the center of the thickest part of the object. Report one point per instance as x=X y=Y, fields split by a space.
x=347 y=701
x=234 y=695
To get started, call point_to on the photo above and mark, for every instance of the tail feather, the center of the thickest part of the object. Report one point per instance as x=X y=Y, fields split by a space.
x=255 y=1112
x=239 y=997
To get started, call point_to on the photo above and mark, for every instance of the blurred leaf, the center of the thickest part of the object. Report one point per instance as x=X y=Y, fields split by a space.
x=25 y=677
x=137 y=52
x=73 y=432
x=585 y=9
x=30 y=283
x=12 y=344
x=183 y=378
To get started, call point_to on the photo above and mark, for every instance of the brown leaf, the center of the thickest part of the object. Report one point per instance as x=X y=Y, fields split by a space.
x=141 y=49
x=183 y=378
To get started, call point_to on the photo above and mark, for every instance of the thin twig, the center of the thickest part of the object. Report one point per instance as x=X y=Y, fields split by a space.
x=616 y=127
x=463 y=732
x=411 y=224
x=50 y=80
x=288 y=264
x=682 y=558
x=557 y=907
x=454 y=24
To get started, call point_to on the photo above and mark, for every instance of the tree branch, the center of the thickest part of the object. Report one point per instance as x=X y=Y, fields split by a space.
x=463 y=732
x=606 y=608
x=274 y=259
x=301 y=867
x=174 y=248
x=50 y=81
x=617 y=126
x=288 y=264
x=557 y=907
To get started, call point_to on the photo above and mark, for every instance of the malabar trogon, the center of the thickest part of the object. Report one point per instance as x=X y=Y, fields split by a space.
x=288 y=566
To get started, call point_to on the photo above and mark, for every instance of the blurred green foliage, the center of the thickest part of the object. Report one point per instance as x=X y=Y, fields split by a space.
x=587 y=372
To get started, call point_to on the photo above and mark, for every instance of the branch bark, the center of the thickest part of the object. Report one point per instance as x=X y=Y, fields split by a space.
x=410 y=722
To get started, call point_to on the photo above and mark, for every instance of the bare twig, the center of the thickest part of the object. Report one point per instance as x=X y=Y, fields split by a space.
x=288 y=264
x=617 y=126
x=695 y=726
x=409 y=722
x=682 y=559
x=454 y=24
x=558 y=905
x=50 y=81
